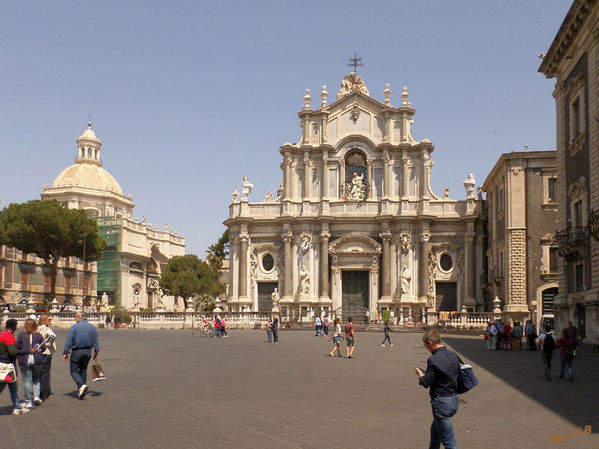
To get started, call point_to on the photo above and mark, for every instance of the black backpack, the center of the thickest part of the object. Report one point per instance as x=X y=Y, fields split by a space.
x=548 y=343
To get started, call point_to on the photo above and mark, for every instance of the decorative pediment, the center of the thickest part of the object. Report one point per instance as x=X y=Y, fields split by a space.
x=355 y=244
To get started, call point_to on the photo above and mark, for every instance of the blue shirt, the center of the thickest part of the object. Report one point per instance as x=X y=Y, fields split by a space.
x=441 y=373
x=82 y=335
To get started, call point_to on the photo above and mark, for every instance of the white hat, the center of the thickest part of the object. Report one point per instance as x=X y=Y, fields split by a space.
x=32 y=317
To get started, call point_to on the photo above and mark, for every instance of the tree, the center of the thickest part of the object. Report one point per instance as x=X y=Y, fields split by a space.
x=216 y=252
x=188 y=276
x=51 y=231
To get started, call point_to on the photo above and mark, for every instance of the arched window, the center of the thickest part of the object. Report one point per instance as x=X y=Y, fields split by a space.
x=89 y=153
x=356 y=176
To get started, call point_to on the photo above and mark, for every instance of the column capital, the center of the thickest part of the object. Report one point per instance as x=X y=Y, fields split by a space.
x=324 y=236
x=425 y=236
x=287 y=236
x=386 y=236
x=244 y=237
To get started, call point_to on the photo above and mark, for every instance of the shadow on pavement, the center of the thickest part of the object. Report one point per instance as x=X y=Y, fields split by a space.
x=523 y=370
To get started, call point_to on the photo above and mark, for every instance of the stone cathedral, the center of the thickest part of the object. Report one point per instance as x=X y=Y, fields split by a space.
x=355 y=227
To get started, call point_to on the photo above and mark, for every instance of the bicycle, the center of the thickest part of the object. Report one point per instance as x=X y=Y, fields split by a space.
x=202 y=329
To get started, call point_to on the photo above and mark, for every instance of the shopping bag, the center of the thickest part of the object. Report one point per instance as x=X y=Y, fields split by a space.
x=7 y=373
x=97 y=373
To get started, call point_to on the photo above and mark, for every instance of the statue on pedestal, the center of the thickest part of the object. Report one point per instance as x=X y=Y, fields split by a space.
x=305 y=278
x=246 y=189
x=275 y=300
x=406 y=277
x=104 y=303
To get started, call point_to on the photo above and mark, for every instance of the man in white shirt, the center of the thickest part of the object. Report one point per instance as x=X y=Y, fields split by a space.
x=492 y=341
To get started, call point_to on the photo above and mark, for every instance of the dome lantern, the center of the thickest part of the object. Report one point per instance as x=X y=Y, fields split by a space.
x=88 y=147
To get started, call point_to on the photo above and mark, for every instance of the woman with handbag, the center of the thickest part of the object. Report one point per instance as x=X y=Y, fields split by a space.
x=8 y=355
x=49 y=340
x=31 y=343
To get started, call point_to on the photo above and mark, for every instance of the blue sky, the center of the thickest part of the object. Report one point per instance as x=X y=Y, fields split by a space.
x=188 y=97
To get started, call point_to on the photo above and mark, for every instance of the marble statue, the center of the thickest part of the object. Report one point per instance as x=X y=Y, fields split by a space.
x=469 y=184
x=246 y=189
x=275 y=300
x=235 y=194
x=446 y=192
x=479 y=192
x=406 y=277
x=305 y=278
x=280 y=191
x=352 y=83
x=268 y=196
x=104 y=303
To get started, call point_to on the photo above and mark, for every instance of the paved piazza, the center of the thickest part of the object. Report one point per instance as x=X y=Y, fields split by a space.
x=166 y=389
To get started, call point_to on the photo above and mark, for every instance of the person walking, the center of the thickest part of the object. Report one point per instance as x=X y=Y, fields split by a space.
x=30 y=363
x=531 y=335
x=325 y=325
x=80 y=341
x=547 y=345
x=441 y=376
x=567 y=345
x=8 y=357
x=217 y=326
x=387 y=329
x=318 y=326
x=49 y=340
x=336 y=338
x=275 y=329
x=223 y=327
x=350 y=338
x=573 y=333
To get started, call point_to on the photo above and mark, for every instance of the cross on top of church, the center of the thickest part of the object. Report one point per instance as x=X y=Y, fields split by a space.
x=355 y=62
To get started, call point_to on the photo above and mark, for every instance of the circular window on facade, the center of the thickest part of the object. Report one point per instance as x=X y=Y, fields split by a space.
x=445 y=262
x=268 y=262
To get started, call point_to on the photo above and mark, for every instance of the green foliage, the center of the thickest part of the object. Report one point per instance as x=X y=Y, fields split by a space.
x=216 y=252
x=20 y=308
x=51 y=231
x=188 y=276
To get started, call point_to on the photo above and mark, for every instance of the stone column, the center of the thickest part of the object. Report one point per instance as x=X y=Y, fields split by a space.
x=243 y=267
x=324 y=264
x=423 y=270
x=387 y=176
x=325 y=176
x=469 y=269
x=406 y=178
x=287 y=161
x=307 y=176
x=288 y=277
x=370 y=180
x=386 y=236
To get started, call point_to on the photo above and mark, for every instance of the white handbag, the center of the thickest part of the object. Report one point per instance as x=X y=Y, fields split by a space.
x=8 y=374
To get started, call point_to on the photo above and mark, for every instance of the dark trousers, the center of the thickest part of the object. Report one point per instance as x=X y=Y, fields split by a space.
x=546 y=357
x=275 y=335
x=326 y=330
x=45 y=388
x=530 y=338
x=79 y=361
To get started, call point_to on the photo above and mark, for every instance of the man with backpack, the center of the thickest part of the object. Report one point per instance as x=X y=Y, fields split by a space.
x=547 y=345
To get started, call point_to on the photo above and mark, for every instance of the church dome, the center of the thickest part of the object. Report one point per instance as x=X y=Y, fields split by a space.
x=89 y=176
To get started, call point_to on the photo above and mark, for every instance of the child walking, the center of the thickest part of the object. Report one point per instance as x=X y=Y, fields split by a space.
x=388 y=331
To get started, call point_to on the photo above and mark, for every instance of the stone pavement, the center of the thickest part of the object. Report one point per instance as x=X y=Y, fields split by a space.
x=166 y=389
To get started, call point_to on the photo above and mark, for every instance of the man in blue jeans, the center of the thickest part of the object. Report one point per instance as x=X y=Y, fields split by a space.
x=80 y=341
x=442 y=377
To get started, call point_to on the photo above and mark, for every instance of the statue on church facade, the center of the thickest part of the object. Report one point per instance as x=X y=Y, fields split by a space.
x=305 y=278
x=275 y=300
x=355 y=188
x=246 y=189
x=469 y=184
x=352 y=83
x=406 y=277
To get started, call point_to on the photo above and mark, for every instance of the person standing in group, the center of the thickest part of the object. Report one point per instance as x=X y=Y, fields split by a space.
x=547 y=345
x=388 y=331
x=531 y=335
x=492 y=341
x=500 y=334
x=325 y=325
x=275 y=329
x=507 y=336
x=268 y=327
x=223 y=326
x=80 y=341
x=217 y=326
x=350 y=338
x=318 y=326
x=441 y=377
x=567 y=345
x=8 y=356
x=49 y=340
x=336 y=338
x=30 y=364
x=517 y=336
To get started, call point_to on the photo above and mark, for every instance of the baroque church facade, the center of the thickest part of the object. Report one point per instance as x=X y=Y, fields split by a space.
x=355 y=227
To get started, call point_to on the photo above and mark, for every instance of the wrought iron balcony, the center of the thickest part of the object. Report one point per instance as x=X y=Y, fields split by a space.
x=571 y=240
x=594 y=223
